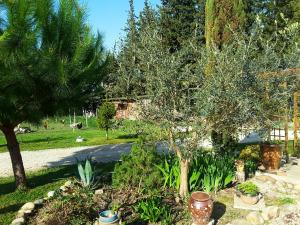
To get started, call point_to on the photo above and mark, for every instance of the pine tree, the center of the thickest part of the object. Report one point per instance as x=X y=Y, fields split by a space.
x=128 y=73
x=221 y=18
x=181 y=20
x=49 y=61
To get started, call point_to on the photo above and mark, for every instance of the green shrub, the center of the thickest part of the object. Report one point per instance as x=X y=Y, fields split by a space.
x=106 y=113
x=153 y=210
x=250 y=152
x=251 y=156
x=138 y=169
x=212 y=172
x=248 y=188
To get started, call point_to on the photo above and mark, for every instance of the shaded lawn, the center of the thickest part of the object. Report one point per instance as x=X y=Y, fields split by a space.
x=40 y=183
x=65 y=137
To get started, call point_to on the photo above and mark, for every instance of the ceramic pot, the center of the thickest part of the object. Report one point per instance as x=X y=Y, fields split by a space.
x=108 y=217
x=250 y=200
x=271 y=156
x=200 y=206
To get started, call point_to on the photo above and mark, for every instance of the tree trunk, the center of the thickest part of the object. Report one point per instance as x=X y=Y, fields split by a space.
x=15 y=156
x=184 y=169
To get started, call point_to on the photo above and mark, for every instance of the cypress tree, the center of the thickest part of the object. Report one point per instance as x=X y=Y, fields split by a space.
x=221 y=18
x=181 y=20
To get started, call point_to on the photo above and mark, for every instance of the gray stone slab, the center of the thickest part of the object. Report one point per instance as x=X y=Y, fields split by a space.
x=239 y=204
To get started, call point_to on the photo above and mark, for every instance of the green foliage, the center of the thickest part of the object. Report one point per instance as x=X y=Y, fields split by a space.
x=285 y=201
x=171 y=172
x=106 y=113
x=211 y=172
x=138 y=169
x=250 y=152
x=154 y=210
x=221 y=18
x=86 y=174
x=207 y=172
x=251 y=155
x=248 y=188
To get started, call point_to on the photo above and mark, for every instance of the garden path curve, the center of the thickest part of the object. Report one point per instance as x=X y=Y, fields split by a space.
x=34 y=160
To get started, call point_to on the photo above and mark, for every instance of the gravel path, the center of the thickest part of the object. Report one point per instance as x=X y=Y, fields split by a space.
x=34 y=160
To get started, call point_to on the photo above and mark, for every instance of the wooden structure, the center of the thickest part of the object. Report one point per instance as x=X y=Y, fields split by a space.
x=285 y=73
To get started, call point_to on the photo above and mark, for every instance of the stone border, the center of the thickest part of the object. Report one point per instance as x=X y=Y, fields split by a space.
x=28 y=208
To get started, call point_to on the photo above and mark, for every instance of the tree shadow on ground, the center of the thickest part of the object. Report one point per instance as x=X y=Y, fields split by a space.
x=39 y=180
x=11 y=208
x=52 y=176
x=46 y=139
x=219 y=210
x=127 y=136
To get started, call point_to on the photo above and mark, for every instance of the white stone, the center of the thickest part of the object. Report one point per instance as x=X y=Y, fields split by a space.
x=39 y=202
x=63 y=188
x=270 y=212
x=297 y=187
x=50 y=194
x=18 y=221
x=20 y=213
x=239 y=222
x=28 y=206
x=255 y=218
x=68 y=184
x=99 y=192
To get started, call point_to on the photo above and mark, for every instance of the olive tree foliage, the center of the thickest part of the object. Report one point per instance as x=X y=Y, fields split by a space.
x=168 y=80
x=250 y=83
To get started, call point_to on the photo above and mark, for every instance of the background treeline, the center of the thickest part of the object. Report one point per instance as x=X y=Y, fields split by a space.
x=177 y=22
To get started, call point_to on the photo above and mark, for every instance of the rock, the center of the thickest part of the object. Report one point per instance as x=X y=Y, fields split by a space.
x=68 y=184
x=39 y=202
x=18 y=221
x=297 y=187
x=266 y=178
x=281 y=173
x=239 y=222
x=255 y=218
x=99 y=192
x=270 y=212
x=20 y=213
x=290 y=186
x=177 y=199
x=63 y=188
x=50 y=194
x=28 y=206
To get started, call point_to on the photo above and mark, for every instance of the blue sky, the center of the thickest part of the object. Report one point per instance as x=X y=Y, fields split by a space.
x=109 y=17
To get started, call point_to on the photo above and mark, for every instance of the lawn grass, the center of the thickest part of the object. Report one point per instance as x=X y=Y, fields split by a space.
x=40 y=183
x=60 y=135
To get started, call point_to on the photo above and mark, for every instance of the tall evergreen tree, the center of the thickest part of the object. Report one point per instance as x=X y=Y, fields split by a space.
x=49 y=60
x=221 y=18
x=272 y=14
x=128 y=73
x=180 y=20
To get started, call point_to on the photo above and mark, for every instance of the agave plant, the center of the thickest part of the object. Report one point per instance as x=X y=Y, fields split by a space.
x=86 y=174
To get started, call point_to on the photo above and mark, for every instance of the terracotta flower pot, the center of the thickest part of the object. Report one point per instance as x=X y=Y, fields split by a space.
x=250 y=200
x=271 y=156
x=200 y=206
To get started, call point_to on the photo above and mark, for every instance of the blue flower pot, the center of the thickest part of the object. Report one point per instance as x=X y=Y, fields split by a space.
x=107 y=216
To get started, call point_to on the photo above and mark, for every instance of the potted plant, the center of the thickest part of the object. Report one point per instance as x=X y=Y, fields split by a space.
x=248 y=192
x=271 y=155
x=110 y=216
